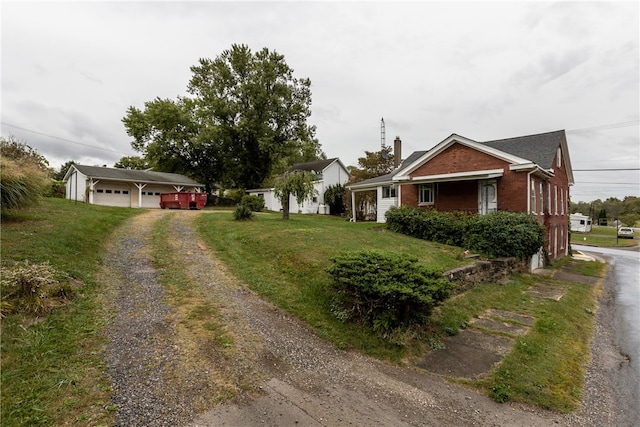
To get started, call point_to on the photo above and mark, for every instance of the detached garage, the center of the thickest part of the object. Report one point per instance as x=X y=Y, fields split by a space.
x=124 y=187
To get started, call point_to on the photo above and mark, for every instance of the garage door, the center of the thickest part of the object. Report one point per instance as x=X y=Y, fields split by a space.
x=112 y=196
x=150 y=199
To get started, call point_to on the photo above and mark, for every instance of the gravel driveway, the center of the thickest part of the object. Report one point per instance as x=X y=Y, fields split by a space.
x=277 y=371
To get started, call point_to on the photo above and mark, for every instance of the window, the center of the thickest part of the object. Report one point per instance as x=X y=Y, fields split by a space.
x=116 y=191
x=555 y=200
x=533 y=196
x=107 y=191
x=100 y=190
x=425 y=194
x=559 y=157
x=261 y=195
x=157 y=194
x=125 y=191
x=388 y=192
x=144 y=193
x=315 y=199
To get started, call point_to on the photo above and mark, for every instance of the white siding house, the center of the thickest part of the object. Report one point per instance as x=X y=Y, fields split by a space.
x=329 y=172
x=123 y=187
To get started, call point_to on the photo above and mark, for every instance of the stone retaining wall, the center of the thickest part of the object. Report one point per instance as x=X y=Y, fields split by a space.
x=493 y=270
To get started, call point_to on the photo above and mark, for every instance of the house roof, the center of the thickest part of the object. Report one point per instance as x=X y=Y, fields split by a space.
x=539 y=149
x=131 y=175
x=316 y=167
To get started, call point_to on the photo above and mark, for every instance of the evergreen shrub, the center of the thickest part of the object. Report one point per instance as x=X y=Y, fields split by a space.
x=385 y=290
x=243 y=213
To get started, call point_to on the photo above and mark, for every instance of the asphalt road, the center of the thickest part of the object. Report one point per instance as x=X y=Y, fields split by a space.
x=625 y=281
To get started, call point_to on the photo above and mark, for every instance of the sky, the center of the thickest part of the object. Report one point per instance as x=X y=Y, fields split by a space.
x=483 y=70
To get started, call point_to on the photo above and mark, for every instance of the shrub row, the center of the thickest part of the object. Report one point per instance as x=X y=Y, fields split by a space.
x=497 y=234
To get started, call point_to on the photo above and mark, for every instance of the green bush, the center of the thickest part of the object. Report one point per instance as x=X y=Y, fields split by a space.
x=334 y=197
x=55 y=189
x=385 y=290
x=243 y=213
x=255 y=203
x=502 y=234
x=444 y=227
x=497 y=234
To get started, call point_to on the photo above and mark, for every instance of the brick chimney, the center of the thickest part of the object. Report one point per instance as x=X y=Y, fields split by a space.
x=397 y=152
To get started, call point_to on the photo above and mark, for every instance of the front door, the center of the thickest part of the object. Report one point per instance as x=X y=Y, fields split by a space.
x=487 y=196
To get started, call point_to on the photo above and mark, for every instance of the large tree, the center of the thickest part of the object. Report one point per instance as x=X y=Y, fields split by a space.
x=246 y=113
x=133 y=162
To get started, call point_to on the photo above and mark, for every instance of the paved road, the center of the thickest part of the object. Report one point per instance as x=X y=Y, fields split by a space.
x=625 y=281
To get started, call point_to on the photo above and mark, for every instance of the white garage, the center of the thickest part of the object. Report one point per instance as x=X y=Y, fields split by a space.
x=123 y=187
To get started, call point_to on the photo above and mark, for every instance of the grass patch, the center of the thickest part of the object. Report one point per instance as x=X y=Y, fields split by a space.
x=601 y=236
x=52 y=372
x=285 y=262
x=546 y=367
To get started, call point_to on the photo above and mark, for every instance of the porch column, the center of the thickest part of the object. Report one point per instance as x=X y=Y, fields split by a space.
x=353 y=206
x=92 y=185
x=140 y=187
x=178 y=188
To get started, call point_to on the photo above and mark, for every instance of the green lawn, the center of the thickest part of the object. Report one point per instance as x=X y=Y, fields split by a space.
x=285 y=262
x=601 y=236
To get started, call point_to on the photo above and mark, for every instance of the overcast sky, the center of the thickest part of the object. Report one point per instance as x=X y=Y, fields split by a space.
x=483 y=70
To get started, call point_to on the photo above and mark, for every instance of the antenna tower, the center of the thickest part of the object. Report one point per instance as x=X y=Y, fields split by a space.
x=382 y=134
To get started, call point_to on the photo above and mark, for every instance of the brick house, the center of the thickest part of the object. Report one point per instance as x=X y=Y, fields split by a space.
x=523 y=174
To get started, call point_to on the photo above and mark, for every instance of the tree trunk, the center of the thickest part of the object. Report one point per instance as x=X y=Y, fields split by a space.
x=285 y=206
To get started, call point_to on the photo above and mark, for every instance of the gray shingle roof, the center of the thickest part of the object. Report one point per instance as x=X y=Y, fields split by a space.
x=540 y=149
x=131 y=175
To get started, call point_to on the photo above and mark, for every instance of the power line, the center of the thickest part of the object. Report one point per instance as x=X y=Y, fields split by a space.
x=61 y=139
x=611 y=169
x=605 y=127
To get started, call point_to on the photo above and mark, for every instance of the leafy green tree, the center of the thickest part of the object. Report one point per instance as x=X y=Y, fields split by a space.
x=373 y=164
x=246 y=112
x=133 y=162
x=298 y=184
x=60 y=173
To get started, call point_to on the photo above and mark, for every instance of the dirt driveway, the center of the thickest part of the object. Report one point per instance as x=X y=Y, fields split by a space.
x=277 y=371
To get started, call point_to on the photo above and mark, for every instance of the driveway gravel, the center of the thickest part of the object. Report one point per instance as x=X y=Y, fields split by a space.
x=276 y=372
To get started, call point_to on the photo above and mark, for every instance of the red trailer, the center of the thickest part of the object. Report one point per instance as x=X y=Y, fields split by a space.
x=183 y=200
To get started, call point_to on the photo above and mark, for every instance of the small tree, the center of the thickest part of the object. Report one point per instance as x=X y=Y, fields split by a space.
x=298 y=184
